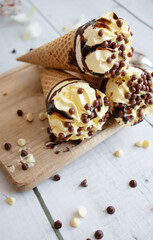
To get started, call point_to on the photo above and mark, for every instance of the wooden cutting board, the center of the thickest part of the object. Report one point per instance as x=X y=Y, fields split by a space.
x=22 y=86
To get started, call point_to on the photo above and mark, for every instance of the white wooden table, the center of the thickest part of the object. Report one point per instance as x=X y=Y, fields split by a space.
x=34 y=212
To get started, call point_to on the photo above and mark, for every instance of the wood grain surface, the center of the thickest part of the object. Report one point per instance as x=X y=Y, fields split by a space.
x=22 y=86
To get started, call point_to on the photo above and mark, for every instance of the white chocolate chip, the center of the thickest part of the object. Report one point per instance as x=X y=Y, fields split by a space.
x=42 y=116
x=30 y=158
x=11 y=200
x=29 y=117
x=82 y=211
x=75 y=222
x=139 y=143
x=11 y=169
x=146 y=144
x=21 y=142
x=118 y=153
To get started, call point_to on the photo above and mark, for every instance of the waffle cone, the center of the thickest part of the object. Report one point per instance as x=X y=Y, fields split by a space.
x=51 y=77
x=55 y=54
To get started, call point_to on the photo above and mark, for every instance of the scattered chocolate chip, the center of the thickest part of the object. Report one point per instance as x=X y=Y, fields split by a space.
x=80 y=90
x=109 y=60
x=115 y=44
x=120 y=38
x=30 y=49
x=99 y=234
x=132 y=101
x=84 y=116
x=123 y=55
x=133 y=77
x=122 y=47
x=104 y=44
x=127 y=95
x=126 y=40
x=118 y=72
x=61 y=135
x=89 y=128
x=99 y=102
x=95 y=103
x=84 y=183
x=131 y=34
x=113 y=56
x=90 y=133
x=57 y=224
x=130 y=54
x=24 y=153
x=20 y=113
x=110 y=210
x=56 y=177
x=87 y=106
x=25 y=166
x=130 y=83
x=115 y=16
x=7 y=146
x=100 y=32
x=71 y=111
x=67 y=124
x=71 y=129
x=106 y=101
x=13 y=51
x=123 y=73
x=133 y=183
x=116 y=65
x=132 y=89
x=122 y=63
x=85 y=120
x=91 y=115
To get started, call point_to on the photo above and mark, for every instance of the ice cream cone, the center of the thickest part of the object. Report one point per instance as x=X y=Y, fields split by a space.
x=55 y=54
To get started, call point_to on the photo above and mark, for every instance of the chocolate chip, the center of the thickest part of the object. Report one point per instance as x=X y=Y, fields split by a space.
x=118 y=72
x=112 y=71
x=19 y=113
x=106 y=101
x=104 y=44
x=56 y=177
x=71 y=129
x=80 y=129
x=84 y=116
x=122 y=47
x=95 y=103
x=130 y=83
x=90 y=133
x=131 y=34
x=147 y=89
x=80 y=91
x=151 y=89
x=67 y=124
x=130 y=54
x=123 y=73
x=115 y=44
x=71 y=111
x=7 y=146
x=122 y=63
x=140 y=80
x=132 y=101
x=110 y=210
x=150 y=102
x=87 y=106
x=126 y=40
x=91 y=115
x=132 y=89
x=90 y=127
x=143 y=76
x=149 y=83
x=113 y=56
x=123 y=55
x=149 y=96
x=84 y=183
x=57 y=224
x=132 y=49
x=107 y=73
x=115 y=16
x=99 y=234
x=13 y=51
x=116 y=65
x=133 y=183
x=120 y=38
x=30 y=49
x=100 y=32
x=61 y=135
x=24 y=153
x=133 y=77
x=85 y=120
x=109 y=60
x=99 y=102
x=138 y=86
x=127 y=95
x=25 y=166
x=152 y=74
x=133 y=96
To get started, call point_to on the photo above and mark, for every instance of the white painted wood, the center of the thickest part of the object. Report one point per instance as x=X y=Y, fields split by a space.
x=142 y=9
x=25 y=219
x=108 y=179
x=11 y=37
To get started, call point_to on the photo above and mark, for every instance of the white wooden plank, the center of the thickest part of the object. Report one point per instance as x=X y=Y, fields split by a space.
x=140 y=8
x=11 y=37
x=108 y=179
x=25 y=219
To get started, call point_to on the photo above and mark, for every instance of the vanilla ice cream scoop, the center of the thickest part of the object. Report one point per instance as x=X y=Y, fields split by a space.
x=131 y=96
x=75 y=110
x=103 y=46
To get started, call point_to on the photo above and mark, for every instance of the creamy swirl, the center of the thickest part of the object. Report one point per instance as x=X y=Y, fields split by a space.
x=131 y=96
x=102 y=45
x=76 y=110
